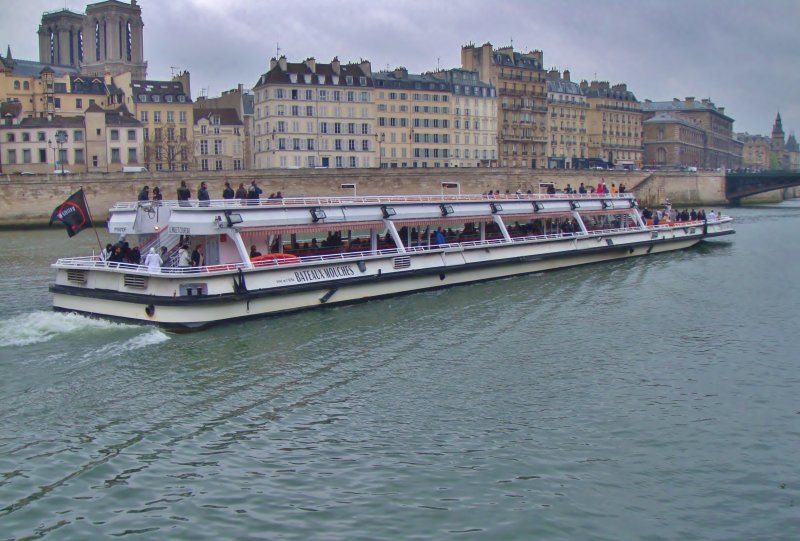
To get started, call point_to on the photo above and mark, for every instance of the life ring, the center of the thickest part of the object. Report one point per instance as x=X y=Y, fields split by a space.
x=275 y=259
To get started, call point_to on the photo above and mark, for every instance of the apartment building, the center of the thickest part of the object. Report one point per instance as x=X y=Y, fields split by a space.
x=219 y=140
x=310 y=114
x=474 y=118
x=568 y=139
x=165 y=110
x=519 y=79
x=614 y=124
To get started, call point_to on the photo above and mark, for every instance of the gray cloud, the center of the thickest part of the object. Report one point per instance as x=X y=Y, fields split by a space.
x=736 y=52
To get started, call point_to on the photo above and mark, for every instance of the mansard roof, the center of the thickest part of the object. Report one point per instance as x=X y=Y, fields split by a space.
x=515 y=60
x=29 y=68
x=121 y=117
x=159 y=92
x=604 y=91
x=564 y=87
x=84 y=84
x=296 y=72
x=55 y=122
x=669 y=118
x=401 y=79
x=227 y=116
x=684 y=106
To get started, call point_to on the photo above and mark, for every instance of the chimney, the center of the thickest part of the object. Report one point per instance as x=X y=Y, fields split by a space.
x=689 y=102
x=400 y=73
x=721 y=110
x=335 y=66
x=282 y=62
x=366 y=67
x=566 y=76
x=311 y=64
x=107 y=78
x=272 y=63
x=553 y=74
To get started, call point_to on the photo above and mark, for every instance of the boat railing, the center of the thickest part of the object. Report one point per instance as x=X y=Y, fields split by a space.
x=95 y=262
x=365 y=199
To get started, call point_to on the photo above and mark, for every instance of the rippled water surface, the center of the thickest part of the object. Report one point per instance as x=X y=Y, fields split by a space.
x=651 y=399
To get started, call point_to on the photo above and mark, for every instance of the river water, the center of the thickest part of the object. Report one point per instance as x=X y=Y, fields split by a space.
x=654 y=398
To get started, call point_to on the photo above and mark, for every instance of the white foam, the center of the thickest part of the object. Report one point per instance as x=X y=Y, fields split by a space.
x=41 y=326
x=149 y=337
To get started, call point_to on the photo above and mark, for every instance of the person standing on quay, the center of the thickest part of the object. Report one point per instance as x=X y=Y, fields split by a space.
x=227 y=193
x=202 y=194
x=183 y=194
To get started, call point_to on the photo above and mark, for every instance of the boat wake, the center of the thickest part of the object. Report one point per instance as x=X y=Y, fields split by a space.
x=42 y=326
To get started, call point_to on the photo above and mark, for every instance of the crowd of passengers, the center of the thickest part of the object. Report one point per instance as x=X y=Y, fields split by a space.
x=601 y=189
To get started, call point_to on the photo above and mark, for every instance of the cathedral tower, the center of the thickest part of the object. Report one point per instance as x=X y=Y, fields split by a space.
x=107 y=39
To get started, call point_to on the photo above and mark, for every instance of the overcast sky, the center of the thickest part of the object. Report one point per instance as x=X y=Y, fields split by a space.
x=739 y=53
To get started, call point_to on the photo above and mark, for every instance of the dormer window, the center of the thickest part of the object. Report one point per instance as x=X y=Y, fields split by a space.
x=321 y=79
x=293 y=77
x=362 y=81
x=181 y=99
x=156 y=98
x=168 y=98
x=143 y=97
x=307 y=78
x=335 y=79
x=349 y=80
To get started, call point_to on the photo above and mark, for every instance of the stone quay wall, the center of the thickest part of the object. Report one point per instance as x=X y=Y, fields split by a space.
x=27 y=201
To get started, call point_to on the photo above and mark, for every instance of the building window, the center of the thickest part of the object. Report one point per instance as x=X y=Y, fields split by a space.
x=132 y=135
x=115 y=155
x=40 y=136
x=79 y=155
x=156 y=116
x=217 y=146
x=10 y=137
x=204 y=165
x=42 y=155
x=237 y=165
x=353 y=161
x=132 y=158
x=170 y=116
x=218 y=165
x=77 y=136
x=183 y=134
x=143 y=116
x=78 y=103
x=26 y=155
x=11 y=154
x=204 y=149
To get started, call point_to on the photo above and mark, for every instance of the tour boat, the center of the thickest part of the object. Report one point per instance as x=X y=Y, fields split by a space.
x=318 y=251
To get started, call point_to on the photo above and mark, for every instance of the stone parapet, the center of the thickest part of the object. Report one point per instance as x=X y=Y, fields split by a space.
x=29 y=200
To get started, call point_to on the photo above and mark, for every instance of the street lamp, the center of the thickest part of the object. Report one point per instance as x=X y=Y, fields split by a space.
x=61 y=139
x=380 y=139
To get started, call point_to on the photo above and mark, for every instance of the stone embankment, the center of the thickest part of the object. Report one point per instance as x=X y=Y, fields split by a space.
x=29 y=200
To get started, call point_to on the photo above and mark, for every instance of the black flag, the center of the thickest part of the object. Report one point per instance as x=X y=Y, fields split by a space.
x=74 y=213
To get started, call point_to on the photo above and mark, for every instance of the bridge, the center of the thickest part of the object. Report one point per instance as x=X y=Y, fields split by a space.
x=738 y=185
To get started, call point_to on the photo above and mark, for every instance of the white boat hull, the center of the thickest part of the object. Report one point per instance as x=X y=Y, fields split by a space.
x=429 y=270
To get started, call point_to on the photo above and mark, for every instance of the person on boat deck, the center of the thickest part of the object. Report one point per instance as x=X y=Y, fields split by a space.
x=164 y=256
x=105 y=255
x=614 y=190
x=241 y=191
x=198 y=259
x=582 y=188
x=183 y=194
x=157 y=194
x=712 y=216
x=202 y=194
x=116 y=256
x=254 y=193
x=135 y=256
x=314 y=244
x=438 y=237
x=152 y=261
x=254 y=252
x=184 y=259
x=227 y=193
x=144 y=194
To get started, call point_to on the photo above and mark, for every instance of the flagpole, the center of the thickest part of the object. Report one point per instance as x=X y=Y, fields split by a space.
x=86 y=202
